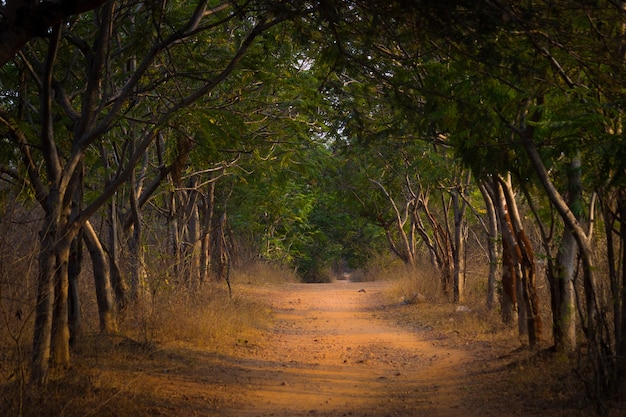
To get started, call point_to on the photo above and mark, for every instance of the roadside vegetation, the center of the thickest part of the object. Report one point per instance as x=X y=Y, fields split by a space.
x=150 y=152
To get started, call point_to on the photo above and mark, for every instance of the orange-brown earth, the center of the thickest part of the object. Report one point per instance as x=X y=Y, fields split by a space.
x=340 y=349
x=337 y=350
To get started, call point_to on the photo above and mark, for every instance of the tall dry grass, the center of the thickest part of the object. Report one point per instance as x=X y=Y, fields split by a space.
x=420 y=291
x=18 y=268
x=255 y=272
x=202 y=319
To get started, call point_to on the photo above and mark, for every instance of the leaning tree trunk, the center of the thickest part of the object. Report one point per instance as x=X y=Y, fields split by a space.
x=102 y=280
x=526 y=268
x=594 y=325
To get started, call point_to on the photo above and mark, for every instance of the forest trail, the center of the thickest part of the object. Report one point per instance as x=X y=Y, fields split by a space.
x=330 y=355
x=335 y=350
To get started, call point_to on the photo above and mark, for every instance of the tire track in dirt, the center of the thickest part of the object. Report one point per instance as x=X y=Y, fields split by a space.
x=330 y=354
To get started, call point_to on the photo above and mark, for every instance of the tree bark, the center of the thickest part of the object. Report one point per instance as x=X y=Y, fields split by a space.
x=102 y=280
x=526 y=269
x=137 y=273
x=120 y=287
x=74 y=270
x=459 y=208
x=43 y=312
x=205 y=250
x=583 y=241
x=60 y=344
x=192 y=236
x=510 y=259
x=492 y=247
x=565 y=270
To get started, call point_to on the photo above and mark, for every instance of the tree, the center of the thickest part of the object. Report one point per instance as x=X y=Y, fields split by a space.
x=95 y=113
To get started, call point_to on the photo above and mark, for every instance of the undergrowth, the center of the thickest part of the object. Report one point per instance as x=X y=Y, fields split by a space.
x=174 y=329
x=416 y=300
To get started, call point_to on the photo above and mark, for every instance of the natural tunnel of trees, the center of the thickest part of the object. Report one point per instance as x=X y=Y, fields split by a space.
x=184 y=137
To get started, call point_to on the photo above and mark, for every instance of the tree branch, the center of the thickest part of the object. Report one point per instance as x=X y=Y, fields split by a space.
x=21 y=21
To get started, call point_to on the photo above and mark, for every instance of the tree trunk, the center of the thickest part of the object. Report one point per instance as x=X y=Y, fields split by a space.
x=51 y=339
x=492 y=248
x=102 y=280
x=223 y=253
x=75 y=263
x=73 y=272
x=120 y=288
x=459 y=208
x=526 y=270
x=192 y=236
x=205 y=250
x=194 y=245
x=510 y=261
x=620 y=371
x=60 y=344
x=43 y=313
x=595 y=326
x=137 y=261
x=402 y=246
x=137 y=273
x=564 y=310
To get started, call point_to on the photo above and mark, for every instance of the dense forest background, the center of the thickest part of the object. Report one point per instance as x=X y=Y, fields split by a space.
x=171 y=142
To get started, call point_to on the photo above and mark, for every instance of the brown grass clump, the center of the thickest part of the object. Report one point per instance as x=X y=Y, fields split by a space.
x=207 y=317
x=182 y=329
x=427 y=307
x=261 y=273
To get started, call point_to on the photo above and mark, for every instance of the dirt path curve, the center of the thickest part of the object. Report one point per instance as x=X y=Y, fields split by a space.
x=331 y=355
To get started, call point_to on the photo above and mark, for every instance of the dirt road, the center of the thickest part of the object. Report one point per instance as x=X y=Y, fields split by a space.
x=331 y=355
x=336 y=350
x=333 y=350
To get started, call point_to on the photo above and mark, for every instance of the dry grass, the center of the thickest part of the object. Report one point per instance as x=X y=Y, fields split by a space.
x=261 y=273
x=517 y=370
x=109 y=372
x=205 y=318
x=427 y=306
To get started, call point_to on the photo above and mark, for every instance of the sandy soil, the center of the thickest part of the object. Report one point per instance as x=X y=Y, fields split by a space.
x=330 y=355
x=335 y=350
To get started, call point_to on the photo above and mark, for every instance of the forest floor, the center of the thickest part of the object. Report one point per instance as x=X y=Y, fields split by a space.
x=340 y=349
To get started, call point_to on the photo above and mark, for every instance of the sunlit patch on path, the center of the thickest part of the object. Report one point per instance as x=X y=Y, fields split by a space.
x=329 y=354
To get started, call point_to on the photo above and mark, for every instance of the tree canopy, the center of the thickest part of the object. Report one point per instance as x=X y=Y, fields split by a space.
x=314 y=133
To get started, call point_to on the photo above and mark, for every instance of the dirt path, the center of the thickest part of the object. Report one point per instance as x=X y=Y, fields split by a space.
x=335 y=350
x=330 y=355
